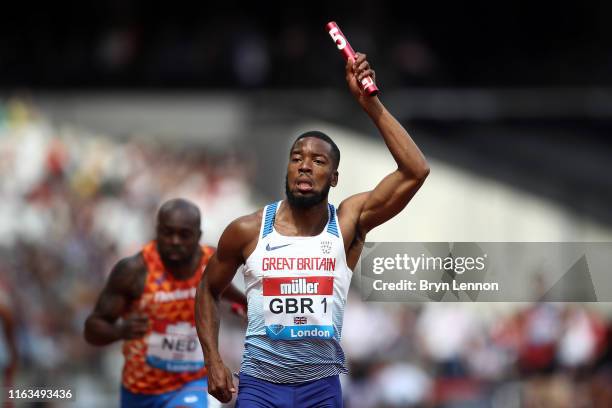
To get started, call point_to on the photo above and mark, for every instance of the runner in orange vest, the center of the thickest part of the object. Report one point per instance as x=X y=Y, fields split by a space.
x=148 y=302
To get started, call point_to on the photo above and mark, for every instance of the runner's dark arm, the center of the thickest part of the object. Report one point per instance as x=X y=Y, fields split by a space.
x=392 y=194
x=124 y=284
x=233 y=294
x=219 y=274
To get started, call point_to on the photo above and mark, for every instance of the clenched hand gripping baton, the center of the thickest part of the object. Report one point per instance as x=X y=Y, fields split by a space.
x=367 y=83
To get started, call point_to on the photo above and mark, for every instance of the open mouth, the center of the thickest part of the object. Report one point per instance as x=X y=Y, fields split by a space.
x=304 y=186
x=174 y=254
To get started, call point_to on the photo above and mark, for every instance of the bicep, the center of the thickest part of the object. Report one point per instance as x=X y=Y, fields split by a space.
x=390 y=196
x=118 y=292
x=229 y=256
x=110 y=305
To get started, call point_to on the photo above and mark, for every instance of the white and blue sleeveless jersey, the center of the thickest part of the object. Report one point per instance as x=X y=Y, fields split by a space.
x=296 y=289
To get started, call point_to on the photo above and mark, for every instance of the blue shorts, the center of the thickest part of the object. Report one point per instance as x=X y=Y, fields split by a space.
x=192 y=394
x=256 y=393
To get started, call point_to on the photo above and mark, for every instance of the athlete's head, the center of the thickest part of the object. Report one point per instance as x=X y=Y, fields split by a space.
x=312 y=169
x=178 y=231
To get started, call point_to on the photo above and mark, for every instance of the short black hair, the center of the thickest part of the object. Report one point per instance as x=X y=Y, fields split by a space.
x=185 y=206
x=322 y=136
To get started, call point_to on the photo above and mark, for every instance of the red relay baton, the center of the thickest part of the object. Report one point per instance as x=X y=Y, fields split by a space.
x=347 y=51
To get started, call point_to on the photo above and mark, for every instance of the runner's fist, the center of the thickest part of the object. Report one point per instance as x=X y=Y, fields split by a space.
x=355 y=71
x=134 y=327
x=220 y=382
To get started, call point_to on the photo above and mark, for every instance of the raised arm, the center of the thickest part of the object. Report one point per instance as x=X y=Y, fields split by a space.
x=370 y=209
x=219 y=274
x=125 y=283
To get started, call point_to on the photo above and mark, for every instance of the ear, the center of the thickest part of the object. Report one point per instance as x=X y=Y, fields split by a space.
x=334 y=178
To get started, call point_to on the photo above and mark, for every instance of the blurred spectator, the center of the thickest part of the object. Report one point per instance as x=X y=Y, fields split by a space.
x=582 y=339
x=541 y=328
x=401 y=385
x=445 y=332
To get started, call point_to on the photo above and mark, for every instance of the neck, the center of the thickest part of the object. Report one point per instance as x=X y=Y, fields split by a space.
x=302 y=221
x=184 y=270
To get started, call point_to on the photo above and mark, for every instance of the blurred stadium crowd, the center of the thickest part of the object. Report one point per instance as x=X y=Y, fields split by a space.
x=139 y=43
x=74 y=202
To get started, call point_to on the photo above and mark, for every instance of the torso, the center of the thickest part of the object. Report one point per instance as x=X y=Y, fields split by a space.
x=169 y=355
x=296 y=287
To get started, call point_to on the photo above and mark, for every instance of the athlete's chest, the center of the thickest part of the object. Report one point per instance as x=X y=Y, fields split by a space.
x=299 y=255
x=168 y=297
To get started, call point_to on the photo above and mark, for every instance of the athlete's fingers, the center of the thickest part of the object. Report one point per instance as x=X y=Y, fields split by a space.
x=224 y=395
x=228 y=387
x=138 y=318
x=135 y=334
x=362 y=67
x=230 y=381
x=366 y=73
x=138 y=328
x=138 y=323
x=130 y=329
x=217 y=391
x=219 y=386
x=349 y=69
x=349 y=65
x=359 y=58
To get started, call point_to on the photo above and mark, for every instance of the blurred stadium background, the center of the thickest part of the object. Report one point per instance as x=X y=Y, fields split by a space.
x=109 y=108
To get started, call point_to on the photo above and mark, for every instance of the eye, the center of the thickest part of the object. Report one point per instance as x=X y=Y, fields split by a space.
x=185 y=234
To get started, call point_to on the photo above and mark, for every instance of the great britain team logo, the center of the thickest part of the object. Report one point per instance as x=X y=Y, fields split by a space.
x=326 y=247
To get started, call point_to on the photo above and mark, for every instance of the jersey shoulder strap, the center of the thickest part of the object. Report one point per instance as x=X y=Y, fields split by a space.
x=332 y=223
x=267 y=222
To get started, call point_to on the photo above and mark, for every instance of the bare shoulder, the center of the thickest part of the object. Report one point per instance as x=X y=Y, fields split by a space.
x=352 y=206
x=348 y=214
x=128 y=276
x=240 y=237
x=245 y=227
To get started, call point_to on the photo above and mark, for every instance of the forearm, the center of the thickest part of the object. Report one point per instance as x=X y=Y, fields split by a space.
x=404 y=150
x=232 y=294
x=207 y=322
x=99 y=332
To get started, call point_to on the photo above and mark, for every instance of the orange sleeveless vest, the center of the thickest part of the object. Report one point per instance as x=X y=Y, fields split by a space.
x=169 y=355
